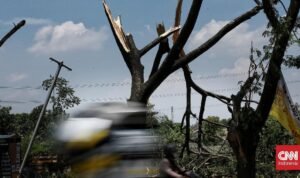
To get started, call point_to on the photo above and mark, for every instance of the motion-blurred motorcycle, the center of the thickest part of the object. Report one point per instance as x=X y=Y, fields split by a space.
x=109 y=140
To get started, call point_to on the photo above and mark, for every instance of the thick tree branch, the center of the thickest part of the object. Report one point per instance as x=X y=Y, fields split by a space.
x=237 y=99
x=177 y=18
x=165 y=70
x=119 y=34
x=162 y=49
x=201 y=113
x=276 y=59
x=188 y=108
x=185 y=32
x=270 y=13
x=213 y=40
x=117 y=29
x=221 y=98
x=257 y=2
x=182 y=121
x=12 y=31
x=158 y=40
x=245 y=89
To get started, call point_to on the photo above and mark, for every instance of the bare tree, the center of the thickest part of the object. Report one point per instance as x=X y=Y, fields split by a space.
x=247 y=122
x=142 y=89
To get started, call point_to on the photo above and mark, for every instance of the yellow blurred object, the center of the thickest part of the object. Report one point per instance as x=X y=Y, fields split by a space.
x=96 y=163
x=282 y=110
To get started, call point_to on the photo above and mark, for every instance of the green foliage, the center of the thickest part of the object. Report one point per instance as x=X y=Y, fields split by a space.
x=212 y=134
x=213 y=139
x=272 y=34
x=23 y=124
x=5 y=120
x=169 y=132
x=63 y=97
x=224 y=166
x=292 y=61
x=273 y=134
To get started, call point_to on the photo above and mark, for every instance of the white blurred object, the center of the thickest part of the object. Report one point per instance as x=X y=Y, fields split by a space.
x=81 y=128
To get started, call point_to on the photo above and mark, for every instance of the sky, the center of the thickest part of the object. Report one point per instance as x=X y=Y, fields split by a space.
x=77 y=32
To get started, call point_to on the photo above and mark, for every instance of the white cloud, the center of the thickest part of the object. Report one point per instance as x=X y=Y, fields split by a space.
x=15 y=77
x=236 y=42
x=67 y=36
x=240 y=66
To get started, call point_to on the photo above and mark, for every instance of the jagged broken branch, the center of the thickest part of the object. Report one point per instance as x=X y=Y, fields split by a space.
x=12 y=31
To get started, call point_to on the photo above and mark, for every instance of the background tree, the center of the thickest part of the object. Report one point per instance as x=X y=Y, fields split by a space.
x=6 y=120
x=23 y=124
x=63 y=97
x=247 y=122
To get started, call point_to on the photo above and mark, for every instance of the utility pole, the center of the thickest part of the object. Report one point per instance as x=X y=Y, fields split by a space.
x=60 y=65
x=172 y=113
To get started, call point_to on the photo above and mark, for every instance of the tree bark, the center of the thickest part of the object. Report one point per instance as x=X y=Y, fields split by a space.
x=244 y=144
x=12 y=31
x=247 y=123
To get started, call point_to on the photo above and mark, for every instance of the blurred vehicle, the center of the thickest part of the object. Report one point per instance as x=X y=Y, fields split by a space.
x=110 y=140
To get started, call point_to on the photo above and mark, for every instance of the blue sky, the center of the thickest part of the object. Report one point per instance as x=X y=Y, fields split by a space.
x=77 y=32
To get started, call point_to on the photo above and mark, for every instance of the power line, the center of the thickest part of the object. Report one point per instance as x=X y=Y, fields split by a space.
x=116 y=99
x=121 y=84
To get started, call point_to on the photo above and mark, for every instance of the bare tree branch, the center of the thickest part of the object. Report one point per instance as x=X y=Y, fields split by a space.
x=187 y=73
x=186 y=30
x=162 y=49
x=182 y=121
x=221 y=98
x=116 y=27
x=276 y=59
x=177 y=19
x=286 y=11
x=257 y=2
x=165 y=70
x=270 y=13
x=213 y=40
x=245 y=89
x=158 y=40
x=12 y=31
x=201 y=113
x=119 y=35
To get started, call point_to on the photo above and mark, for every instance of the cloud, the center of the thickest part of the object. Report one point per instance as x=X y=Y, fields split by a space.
x=241 y=65
x=15 y=77
x=29 y=21
x=236 y=42
x=68 y=36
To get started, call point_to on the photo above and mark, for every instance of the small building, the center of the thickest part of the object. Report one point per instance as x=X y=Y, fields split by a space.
x=10 y=155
